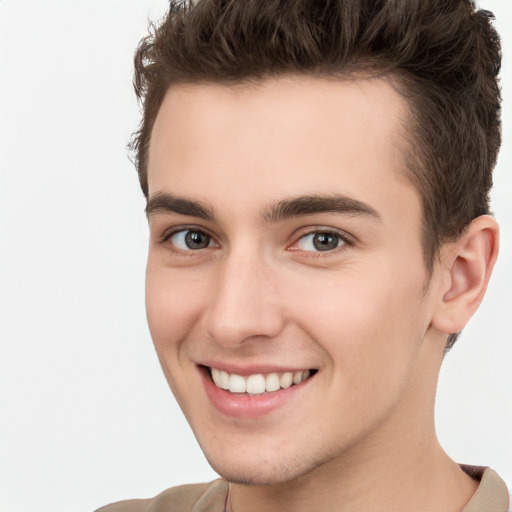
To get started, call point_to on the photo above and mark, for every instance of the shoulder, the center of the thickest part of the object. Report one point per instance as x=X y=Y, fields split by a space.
x=183 y=498
x=491 y=495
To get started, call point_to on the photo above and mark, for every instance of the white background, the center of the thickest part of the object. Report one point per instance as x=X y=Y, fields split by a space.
x=86 y=416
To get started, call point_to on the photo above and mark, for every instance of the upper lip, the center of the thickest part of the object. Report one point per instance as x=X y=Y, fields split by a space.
x=252 y=369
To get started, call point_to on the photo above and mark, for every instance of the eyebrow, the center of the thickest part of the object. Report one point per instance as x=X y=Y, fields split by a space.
x=169 y=203
x=282 y=210
x=313 y=204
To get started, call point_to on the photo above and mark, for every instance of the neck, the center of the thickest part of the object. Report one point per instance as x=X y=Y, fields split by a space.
x=398 y=468
x=428 y=481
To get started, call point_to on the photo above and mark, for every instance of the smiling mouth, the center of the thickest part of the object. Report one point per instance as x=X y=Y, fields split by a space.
x=259 y=383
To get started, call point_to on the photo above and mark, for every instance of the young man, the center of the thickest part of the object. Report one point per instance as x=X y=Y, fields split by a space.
x=317 y=179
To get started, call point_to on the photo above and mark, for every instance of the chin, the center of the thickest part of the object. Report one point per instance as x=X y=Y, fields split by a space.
x=263 y=471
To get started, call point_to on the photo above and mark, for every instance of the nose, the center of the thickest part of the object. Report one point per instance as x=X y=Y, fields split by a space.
x=244 y=304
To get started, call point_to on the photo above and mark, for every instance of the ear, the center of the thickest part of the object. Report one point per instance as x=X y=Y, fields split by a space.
x=466 y=266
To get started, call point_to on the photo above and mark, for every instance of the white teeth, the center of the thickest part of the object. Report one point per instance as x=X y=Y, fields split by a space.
x=224 y=379
x=236 y=383
x=286 y=380
x=216 y=377
x=257 y=384
x=297 y=377
x=272 y=383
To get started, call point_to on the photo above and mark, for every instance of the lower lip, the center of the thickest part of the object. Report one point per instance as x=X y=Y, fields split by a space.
x=242 y=405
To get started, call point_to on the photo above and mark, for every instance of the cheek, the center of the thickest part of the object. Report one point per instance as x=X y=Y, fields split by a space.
x=173 y=304
x=367 y=323
x=370 y=335
x=359 y=307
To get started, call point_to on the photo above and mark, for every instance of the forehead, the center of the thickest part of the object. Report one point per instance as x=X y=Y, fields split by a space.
x=281 y=137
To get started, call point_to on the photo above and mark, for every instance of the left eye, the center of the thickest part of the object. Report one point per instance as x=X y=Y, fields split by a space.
x=191 y=239
x=320 y=242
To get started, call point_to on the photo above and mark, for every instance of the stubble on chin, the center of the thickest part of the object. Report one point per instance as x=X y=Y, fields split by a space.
x=266 y=473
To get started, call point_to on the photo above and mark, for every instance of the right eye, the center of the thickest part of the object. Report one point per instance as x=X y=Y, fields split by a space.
x=190 y=240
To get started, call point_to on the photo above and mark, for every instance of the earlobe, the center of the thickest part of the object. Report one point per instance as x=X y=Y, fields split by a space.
x=467 y=266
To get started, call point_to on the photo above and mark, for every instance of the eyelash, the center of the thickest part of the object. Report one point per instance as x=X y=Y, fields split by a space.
x=167 y=235
x=346 y=239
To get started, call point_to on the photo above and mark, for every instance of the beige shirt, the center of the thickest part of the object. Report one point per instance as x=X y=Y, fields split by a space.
x=491 y=496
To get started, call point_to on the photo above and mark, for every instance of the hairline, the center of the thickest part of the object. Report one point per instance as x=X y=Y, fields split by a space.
x=397 y=78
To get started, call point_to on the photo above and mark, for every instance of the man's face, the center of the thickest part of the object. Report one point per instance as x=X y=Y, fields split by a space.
x=286 y=240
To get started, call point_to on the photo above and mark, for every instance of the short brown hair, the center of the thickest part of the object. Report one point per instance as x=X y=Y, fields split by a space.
x=443 y=55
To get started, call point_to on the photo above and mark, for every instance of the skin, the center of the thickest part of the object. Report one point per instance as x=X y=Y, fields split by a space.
x=360 y=435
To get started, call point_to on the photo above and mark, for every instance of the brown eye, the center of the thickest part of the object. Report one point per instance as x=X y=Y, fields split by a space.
x=320 y=242
x=197 y=240
x=325 y=241
x=190 y=239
